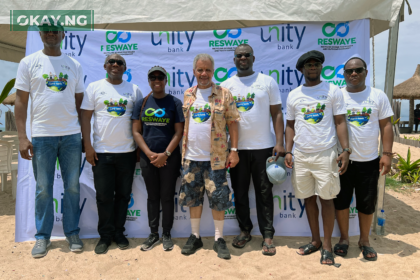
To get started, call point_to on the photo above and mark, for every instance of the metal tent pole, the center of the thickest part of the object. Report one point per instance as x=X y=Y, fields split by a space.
x=389 y=90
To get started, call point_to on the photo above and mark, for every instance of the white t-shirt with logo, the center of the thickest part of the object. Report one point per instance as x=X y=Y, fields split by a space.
x=52 y=82
x=199 y=131
x=364 y=110
x=313 y=110
x=113 y=106
x=253 y=96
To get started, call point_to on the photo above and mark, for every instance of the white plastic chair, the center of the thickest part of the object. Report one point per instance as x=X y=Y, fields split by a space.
x=5 y=161
x=12 y=138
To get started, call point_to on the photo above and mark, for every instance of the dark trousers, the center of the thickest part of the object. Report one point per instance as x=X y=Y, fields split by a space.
x=113 y=178
x=160 y=185
x=416 y=123
x=252 y=162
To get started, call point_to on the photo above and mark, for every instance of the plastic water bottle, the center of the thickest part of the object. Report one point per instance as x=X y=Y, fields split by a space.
x=380 y=227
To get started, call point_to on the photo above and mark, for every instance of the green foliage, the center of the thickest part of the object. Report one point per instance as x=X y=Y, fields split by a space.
x=392 y=120
x=407 y=168
x=7 y=88
x=61 y=75
x=106 y=102
x=235 y=98
x=318 y=106
x=45 y=76
x=303 y=110
x=66 y=76
x=248 y=95
x=192 y=109
x=414 y=176
x=121 y=101
x=125 y=102
x=323 y=107
x=364 y=110
x=253 y=95
x=369 y=111
x=348 y=112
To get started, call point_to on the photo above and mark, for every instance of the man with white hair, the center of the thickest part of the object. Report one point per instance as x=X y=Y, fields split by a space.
x=207 y=109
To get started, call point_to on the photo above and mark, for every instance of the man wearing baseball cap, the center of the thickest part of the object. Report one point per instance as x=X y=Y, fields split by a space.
x=315 y=117
x=113 y=156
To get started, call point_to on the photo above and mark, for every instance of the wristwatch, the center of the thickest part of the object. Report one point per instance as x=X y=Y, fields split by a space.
x=348 y=150
x=168 y=153
x=234 y=149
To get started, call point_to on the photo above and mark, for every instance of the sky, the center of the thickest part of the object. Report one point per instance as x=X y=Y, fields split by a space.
x=408 y=56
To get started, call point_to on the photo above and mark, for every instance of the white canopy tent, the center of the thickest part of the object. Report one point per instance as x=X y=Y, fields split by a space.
x=190 y=15
x=184 y=15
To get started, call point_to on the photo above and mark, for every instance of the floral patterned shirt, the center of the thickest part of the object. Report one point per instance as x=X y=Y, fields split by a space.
x=223 y=111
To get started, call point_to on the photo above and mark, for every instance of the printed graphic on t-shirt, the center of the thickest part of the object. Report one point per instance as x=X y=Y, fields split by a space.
x=359 y=117
x=55 y=83
x=201 y=114
x=244 y=103
x=155 y=117
x=116 y=108
x=314 y=114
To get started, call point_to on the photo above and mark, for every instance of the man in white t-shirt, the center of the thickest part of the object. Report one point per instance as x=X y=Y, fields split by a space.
x=54 y=82
x=207 y=109
x=113 y=157
x=315 y=119
x=256 y=96
x=368 y=113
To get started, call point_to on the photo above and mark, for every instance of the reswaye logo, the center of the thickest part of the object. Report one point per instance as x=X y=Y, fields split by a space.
x=283 y=202
x=227 y=73
x=155 y=116
x=335 y=35
x=118 y=42
x=334 y=75
x=286 y=35
x=228 y=40
x=132 y=214
x=72 y=47
x=174 y=46
x=231 y=212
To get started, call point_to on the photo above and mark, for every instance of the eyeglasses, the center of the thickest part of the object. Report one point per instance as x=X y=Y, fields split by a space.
x=160 y=78
x=310 y=65
x=240 y=55
x=118 y=61
x=357 y=70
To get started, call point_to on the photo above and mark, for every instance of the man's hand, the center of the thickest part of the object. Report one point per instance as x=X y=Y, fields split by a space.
x=232 y=159
x=278 y=151
x=24 y=146
x=159 y=160
x=344 y=158
x=385 y=164
x=288 y=161
x=91 y=155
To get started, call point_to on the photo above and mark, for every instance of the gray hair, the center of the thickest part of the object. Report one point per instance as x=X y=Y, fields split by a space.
x=203 y=56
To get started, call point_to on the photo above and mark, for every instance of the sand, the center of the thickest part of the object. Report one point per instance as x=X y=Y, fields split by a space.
x=398 y=253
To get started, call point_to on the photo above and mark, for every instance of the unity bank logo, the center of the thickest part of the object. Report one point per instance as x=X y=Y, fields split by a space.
x=132 y=214
x=58 y=204
x=118 y=43
x=282 y=202
x=228 y=40
x=336 y=36
x=289 y=37
x=174 y=39
x=334 y=75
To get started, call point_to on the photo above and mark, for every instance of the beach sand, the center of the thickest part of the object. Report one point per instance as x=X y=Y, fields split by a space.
x=398 y=253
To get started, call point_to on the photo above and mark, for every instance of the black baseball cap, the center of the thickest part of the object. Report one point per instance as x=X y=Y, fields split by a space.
x=306 y=56
x=157 y=68
x=46 y=27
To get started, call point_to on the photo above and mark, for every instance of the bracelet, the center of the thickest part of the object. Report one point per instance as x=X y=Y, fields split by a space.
x=390 y=154
x=288 y=153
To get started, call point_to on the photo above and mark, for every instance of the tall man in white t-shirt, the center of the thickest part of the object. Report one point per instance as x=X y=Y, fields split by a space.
x=368 y=113
x=207 y=109
x=54 y=82
x=113 y=156
x=315 y=117
x=256 y=96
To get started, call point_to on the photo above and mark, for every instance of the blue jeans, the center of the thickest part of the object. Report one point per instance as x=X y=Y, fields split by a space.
x=68 y=149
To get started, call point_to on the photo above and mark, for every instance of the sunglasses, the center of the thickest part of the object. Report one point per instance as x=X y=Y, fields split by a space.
x=240 y=55
x=160 y=78
x=357 y=70
x=310 y=65
x=118 y=61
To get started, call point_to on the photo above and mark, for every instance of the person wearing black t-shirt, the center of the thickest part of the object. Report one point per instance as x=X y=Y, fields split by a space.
x=158 y=133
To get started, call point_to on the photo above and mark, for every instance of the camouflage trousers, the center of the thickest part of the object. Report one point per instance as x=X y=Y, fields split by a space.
x=198 y=176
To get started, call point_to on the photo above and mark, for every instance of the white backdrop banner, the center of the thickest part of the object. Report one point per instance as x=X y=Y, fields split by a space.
x=276 y=49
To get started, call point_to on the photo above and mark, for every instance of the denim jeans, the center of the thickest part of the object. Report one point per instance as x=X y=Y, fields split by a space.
x=68 y=149
x=113 y=177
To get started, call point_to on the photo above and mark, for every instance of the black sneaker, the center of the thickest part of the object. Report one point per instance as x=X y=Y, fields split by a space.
x=150 y=242
x=121 y=241
x=221 y=249
x=102 y=246
x=167 y=241
x=192 y=245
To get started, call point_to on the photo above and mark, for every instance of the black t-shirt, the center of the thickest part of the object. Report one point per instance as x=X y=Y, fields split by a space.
x=158 y=119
